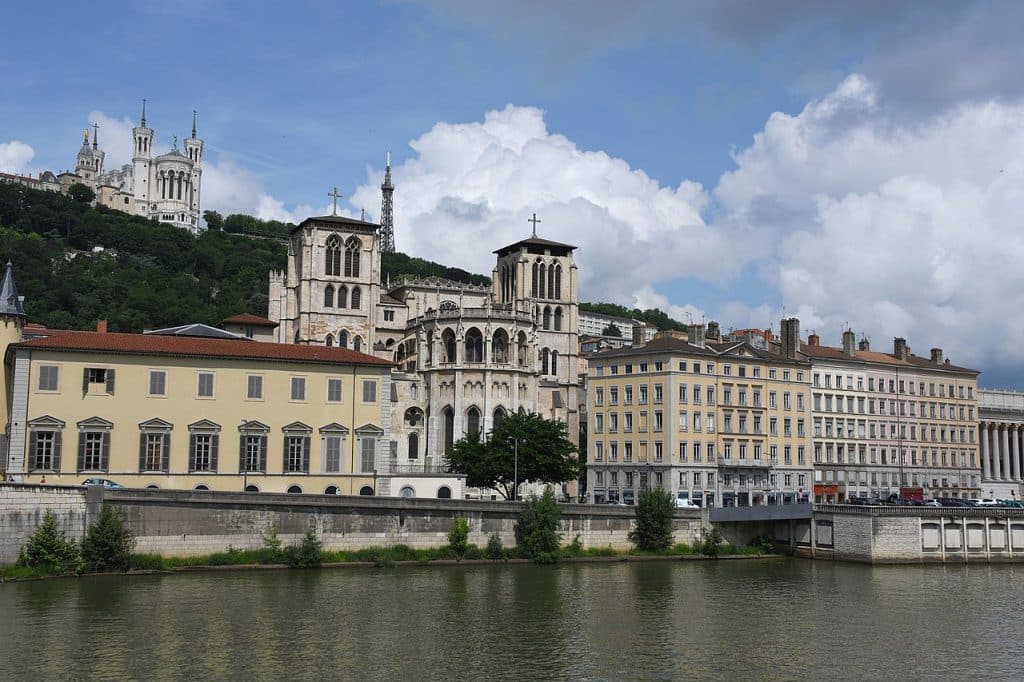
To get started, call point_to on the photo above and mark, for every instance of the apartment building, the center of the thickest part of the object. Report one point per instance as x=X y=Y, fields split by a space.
x=714 y=421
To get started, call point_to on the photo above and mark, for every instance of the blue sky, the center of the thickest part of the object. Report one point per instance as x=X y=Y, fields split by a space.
x=850 y=163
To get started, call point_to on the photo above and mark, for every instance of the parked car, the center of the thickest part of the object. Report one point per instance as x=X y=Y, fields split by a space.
x=686 y=503
x=932 y=503
x=858 y=501
x=105 y=482
x=1013 y=504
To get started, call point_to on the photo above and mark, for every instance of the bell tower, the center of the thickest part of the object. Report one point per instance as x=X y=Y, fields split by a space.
x=142 y=154
x=194 y=152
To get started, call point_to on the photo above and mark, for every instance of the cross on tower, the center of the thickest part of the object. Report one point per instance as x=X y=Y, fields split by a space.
x=336 y=196
x=534 y=220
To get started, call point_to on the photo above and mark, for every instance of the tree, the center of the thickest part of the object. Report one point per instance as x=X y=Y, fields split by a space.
x=50 y=549
x=545 y=454
x=654 y=525
x=214 y=220
x=458 y=537
x=108 y=543
x=611 y=330
x=537 y=528
x=81 y=193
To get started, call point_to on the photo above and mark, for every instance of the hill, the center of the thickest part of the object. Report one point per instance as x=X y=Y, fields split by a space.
x=652 y=316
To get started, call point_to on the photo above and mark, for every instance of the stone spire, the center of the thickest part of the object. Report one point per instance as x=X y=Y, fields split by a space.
x=387 y=210
x=95 y=135
x=10 y=302
x=193 y=124
x=143 y=123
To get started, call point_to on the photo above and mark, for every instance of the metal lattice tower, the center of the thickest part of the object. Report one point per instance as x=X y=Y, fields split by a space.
x=387 y=211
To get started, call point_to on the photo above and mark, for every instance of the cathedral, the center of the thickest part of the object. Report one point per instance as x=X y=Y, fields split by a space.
x=164 y=188
x=465 y=355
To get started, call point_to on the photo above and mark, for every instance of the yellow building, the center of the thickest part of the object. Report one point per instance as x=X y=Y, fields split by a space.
x=715 y=422
x=148 y=410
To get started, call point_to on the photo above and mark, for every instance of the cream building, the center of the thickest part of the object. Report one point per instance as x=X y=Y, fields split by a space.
x=1001 y=429
x=721 y=423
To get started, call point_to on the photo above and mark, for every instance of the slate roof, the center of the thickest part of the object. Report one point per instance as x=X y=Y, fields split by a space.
x=339 y=221
x=249 y=319
x=534 y=241
x=10 y=303
x=197 y=329
x=835 y=353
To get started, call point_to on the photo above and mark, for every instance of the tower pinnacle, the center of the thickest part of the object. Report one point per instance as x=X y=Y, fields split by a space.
x=193 y=124
x=95 y=135
x=387 y=210
x=143 y=123
x=10 y=302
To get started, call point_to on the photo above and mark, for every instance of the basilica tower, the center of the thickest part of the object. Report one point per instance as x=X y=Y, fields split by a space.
x=89 y=163
x=194 y=152
x=142 y=155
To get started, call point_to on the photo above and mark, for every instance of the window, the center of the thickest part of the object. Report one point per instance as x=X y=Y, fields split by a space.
x=94 y=450
x=369 y=452
x=203 y=452
x=352 y=248
x=613 y=395
x=97 y=380
x=598 y=423
x=252 y=455
x=659 y=394
x=44 y=447
x=628 y=397
x=205 y=385
x=298 y=388
x=48 y=375
x=599 y=396
x=334 y=390
x=369 y=391
x=154 y=450
x=254 y=387
x=389 y=315
x=356 y=299
x=332 y=264
x=157 y=382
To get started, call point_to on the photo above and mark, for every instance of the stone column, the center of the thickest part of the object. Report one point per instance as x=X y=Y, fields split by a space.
x=1015 y=460
x=1006 y=452
x=996 y=461
x=986 y=469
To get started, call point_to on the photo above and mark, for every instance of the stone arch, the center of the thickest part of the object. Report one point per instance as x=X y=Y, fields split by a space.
x=474 y=345
x=448 y=341
x=329 y=341
x=356 y=301
x=343 y=339
x=551 y=281
x=546 y=324
x=407 y=491
x=201 y=486
x=294 y=490
x=473 y=420
x=554 y=362
x=541 y=279
x=366 y=491
x=545 y=358
x=444 y=493
x=252 y=488
x=331 y=490
x=413 y=417
x=357 y=344
x=499 y=346
x=522 y=349
x=558 y=281
x=499 y=415
x=343 y=296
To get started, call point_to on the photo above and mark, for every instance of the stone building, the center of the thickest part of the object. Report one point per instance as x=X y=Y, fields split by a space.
x=1001 y=427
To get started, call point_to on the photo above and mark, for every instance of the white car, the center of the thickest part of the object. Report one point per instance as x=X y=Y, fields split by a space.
x=686 y=503
x=988 y=502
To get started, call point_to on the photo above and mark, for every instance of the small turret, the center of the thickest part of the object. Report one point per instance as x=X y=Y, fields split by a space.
x=12 y=324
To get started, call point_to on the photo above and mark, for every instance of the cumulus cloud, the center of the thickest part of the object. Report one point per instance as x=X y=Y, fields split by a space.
x=15 y=157
x=475 y=184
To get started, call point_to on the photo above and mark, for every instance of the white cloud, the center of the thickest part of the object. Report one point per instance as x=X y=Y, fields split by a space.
x=646 y=298
x=472 y=187
x=15 y=157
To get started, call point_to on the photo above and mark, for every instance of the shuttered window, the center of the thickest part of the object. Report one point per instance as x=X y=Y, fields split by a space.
x=154 y=450
x=369 y=452
x=44 y=450
x=93 y=450
x=296 y=453
x=369 y=391
x=252 y=452
x=298 y=388
x=202 y=451
x=157 y=382
x=332 y=454
x=48 y=376
x=254 y=387
x=205 y=385
x=334 y=390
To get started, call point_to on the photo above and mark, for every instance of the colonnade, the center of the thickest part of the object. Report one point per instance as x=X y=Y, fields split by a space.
x=1001 y=450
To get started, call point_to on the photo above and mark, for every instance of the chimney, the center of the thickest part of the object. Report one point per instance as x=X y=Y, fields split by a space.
x=849 y=343
x=790 y=335
x=937 y=356
x=864 y=344
x=101 y=326
x=695 y=334
x=813 y=340
x=900 y=348
x=714 y=331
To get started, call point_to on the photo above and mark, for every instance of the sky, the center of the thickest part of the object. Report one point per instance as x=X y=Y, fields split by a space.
x=856 y=165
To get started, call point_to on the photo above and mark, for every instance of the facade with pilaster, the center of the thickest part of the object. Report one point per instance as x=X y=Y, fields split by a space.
x=1001 y=428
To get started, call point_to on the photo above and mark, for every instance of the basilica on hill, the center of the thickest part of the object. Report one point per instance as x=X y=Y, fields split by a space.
x=465 y=355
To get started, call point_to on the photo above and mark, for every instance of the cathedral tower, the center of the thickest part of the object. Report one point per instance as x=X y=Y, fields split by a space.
x=387 y=211
x=194 y=152
x=89 y=163
x=142 y=155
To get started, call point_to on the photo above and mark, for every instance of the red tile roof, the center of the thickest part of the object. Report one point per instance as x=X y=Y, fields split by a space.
x=835 y=353
x=250 y=319
x=188 y=346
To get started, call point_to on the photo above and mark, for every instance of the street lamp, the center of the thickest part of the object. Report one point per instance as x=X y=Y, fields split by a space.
x=515 y=468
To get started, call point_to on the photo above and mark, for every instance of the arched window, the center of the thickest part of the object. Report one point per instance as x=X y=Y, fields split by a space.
x=430 y=347
x=332 y=257
x=413 y=417
x=499 y=346
x=357 y=344
x=472 y=420
x=545 y=356
x=535 y=290
x=343 y=340
x=499 y=415
x=294 y=489
x=521 y=349
x=407 y=491
x=444 y=493
x=366 y=490
x=329 y=296
x=558 y=319
x=558 y=281
x=414 y=446
x=449 y=428
x=343 y=296
x=357 y=298
x=547 y=318
x=551 y=281
x=448 y=341
x=352 y=248
x=331 y=490
x=329 y=341
x=554 y=362
x=541 y=276
x=201 y=486
x=252 y=488
x=474 y=346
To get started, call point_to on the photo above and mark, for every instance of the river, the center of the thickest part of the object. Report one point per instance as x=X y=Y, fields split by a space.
x=757 y=619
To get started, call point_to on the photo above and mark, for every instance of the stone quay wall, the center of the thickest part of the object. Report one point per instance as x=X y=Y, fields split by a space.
x=192 y=522
x=889 y=535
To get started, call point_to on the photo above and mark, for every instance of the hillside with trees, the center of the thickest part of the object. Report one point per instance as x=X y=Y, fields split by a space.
x=652 y=316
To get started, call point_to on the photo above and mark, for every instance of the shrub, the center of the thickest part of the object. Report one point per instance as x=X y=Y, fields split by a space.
x=108 y=543
x=306 y=554
x=710 y=542
x=574 y=548
x=536 y=529
x=494 y=551
x=763 y=544
x=50 y=549
x=272 y=547
x=458 y=537
x=654 y=525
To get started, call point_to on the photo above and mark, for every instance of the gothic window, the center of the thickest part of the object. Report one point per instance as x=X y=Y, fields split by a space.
x=448 y=341
x=332 y=265
x=558 y=319
x=554 y=362
x=474 y=346
x=329 y=296
x=547 y=318
x=521 y=349
x=557 y=293
x=541 y=276
x=551 y=282
x=329 y=341
x=343 y=296
x=430 y=347
x=449 y=428
x=472 y=420
x=357 y=344
x=499 y=414
x=413 y=417
x=357 y=298
x=544 y=358
x=499 y=346
x=352 y=247
x=343 y=340
x=414 y=446
x=535 y=290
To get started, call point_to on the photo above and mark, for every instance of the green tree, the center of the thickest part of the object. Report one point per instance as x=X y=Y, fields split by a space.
x=81 y=193
x=458 y=537
x=108 y=543
x=537 y=528
x=50 y=549
x=611 y=330
x=710 y=542
x=306 y=554
x=214 y=220
x=654 y=520
x=521 y=447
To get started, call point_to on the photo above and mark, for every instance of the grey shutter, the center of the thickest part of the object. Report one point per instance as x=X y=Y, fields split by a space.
x=81 y=450
x=142 y=450
x=214 y=447
x=110 y=381
x=263 y=453
x=191 y=452
x=85 y=381
x=165 y=457
x=57 y=438
x=305 y=454
x=32 y=439
x=105 y=452
x=241 y=453
x=284 y=454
